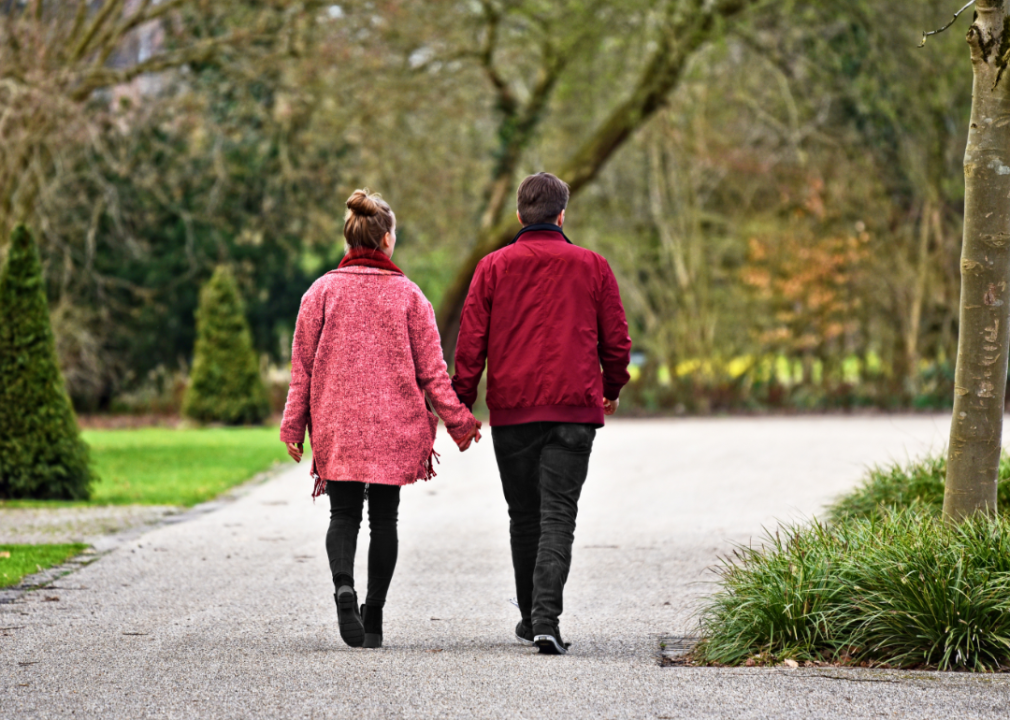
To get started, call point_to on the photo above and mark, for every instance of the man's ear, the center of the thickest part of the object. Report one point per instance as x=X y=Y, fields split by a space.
x=561 y=219
x=519 y=218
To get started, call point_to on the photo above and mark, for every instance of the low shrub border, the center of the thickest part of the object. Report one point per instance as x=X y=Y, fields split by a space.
x=17 y=561
x=919 y=482
x=899 y=589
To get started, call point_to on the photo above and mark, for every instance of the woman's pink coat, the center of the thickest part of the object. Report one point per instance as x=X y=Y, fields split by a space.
x=365 y=354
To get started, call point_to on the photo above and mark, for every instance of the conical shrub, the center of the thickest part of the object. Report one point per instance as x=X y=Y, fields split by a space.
x=42 y=455
x=225 y=384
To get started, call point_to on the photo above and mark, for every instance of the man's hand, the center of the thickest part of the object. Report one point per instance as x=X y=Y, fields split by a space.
x=473 y=436
x=610 y=406
x=296 y=450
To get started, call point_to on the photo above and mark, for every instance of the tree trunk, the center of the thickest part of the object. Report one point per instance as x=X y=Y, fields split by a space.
x=980 y=378
x=918 y=299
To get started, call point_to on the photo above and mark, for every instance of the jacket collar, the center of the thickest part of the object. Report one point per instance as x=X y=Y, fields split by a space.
x=542 y=227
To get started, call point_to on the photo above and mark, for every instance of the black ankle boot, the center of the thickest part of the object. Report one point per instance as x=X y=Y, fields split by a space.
x=348 y=619
x=371 y=616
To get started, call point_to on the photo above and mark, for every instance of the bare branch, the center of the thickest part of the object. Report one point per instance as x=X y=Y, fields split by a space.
x=952 y=21
x=506 y=100
x=97 y=24
x=200 y=52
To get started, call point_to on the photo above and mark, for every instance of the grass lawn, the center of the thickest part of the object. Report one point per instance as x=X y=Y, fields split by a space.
x=16 y=561
x=164 y=466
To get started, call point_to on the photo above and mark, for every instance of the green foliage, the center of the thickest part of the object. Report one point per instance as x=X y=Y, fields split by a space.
x=41 y=452
x=225 y=385
x=16 y=561
x=163 y=466
x=918 y=483
x=903 y=589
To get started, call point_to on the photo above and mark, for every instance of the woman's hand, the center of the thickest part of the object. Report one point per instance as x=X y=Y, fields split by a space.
x=472 y=436
x=296 y=450
x=610 y=406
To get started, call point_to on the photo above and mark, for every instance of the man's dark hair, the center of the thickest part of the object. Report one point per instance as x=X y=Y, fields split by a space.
x=541 y=198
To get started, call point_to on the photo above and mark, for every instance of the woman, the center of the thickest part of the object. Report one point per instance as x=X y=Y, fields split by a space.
x=366 y=367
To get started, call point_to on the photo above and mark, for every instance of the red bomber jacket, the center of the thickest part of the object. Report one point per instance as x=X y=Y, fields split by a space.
x=546 y=315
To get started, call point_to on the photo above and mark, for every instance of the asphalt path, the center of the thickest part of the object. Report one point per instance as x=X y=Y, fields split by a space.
x=227 y=611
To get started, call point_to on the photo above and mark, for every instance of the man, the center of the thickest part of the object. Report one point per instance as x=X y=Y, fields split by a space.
x=546 y=315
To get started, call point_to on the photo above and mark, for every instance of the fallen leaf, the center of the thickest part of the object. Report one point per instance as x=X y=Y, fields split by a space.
x=790 y=663
x=5 y=554
x=50 y=598
x=435 y=650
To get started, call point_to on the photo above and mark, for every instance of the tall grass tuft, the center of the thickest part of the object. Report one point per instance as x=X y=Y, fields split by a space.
x=919 y=482
x=900 y=588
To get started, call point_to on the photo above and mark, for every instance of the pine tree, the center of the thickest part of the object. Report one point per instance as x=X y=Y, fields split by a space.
x=42 y=454
x=225 y=385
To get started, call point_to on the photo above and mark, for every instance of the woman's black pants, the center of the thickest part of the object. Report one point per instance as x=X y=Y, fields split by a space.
x=346 y=502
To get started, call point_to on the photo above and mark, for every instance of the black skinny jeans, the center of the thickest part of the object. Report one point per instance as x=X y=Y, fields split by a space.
x=543 y=466
x=347 y=500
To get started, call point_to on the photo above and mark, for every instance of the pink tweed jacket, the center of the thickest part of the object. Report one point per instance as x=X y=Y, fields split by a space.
x=366 y=354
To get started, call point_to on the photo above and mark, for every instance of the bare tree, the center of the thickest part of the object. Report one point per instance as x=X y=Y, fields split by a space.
x=981 y=374
x=683 y=26
x=56 y=55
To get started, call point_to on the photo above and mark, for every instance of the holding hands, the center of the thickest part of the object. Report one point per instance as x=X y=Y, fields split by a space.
x=473 y=436
x=297 y=450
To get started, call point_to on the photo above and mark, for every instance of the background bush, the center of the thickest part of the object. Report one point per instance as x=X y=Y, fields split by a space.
x=41 y=452
x=225 y=384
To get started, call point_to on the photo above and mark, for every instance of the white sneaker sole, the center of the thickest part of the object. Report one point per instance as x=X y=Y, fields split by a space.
x=549 y=645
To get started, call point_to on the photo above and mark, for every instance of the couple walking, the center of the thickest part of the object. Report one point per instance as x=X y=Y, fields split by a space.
x=367 y=377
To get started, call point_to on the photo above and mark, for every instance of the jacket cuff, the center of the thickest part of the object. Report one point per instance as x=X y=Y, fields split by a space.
x=294 y=436
x=612 y=392
x=461 y=431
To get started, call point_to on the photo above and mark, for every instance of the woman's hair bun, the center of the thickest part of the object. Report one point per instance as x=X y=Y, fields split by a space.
x=362 y=203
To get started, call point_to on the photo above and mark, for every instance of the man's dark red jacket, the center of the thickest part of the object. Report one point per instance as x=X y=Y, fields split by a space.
x=546 y=315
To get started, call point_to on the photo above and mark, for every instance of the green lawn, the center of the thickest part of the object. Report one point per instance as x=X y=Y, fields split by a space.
x=16 y=561
x=162 y=466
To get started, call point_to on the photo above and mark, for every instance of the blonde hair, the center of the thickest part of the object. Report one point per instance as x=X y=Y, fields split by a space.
x=367 y=220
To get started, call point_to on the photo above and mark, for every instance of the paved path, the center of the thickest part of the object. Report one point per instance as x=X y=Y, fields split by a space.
x=76 y=524
x=230 y=613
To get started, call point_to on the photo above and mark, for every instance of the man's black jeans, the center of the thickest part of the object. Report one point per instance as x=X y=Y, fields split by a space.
x=346 y=502
x=543 y=466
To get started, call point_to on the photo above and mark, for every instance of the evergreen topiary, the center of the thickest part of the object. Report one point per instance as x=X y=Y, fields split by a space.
x=225 y=385
x=42 y=455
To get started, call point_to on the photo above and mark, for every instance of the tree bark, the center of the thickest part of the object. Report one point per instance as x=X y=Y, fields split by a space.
x=981 y=373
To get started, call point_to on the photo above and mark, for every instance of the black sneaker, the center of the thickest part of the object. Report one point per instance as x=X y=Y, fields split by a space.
x=352 y=630
x=524 y=633
x=548 y=640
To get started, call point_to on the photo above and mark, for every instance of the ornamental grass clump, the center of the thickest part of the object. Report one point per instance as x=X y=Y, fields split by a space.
x=919 y=482
x=42 y=455
x=225 y=385
x=900 y=589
